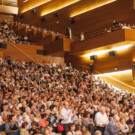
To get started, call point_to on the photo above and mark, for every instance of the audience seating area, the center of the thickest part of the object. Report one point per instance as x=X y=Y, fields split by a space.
x=50 y=99
x=8 y=35
x=114 y=27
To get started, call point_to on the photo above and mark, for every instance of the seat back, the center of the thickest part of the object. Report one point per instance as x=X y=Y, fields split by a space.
x=2 y=127
x=17 y=132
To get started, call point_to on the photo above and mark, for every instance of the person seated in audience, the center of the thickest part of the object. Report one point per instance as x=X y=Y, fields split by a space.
x=24 y=129
x=87 y=133
x=53 y=117
x=88 y=122
x=128 y=27
x=25 y=38
x=45 y=31
x=124 y=26
x=124 y=126
x=112 y=128
x=71 y=129
x=105 y=31
x=11 y=126
x=46 y=131
x=133 y=27
x=115 y=24
x=37 y=117
x=66 y=113
x=83 y=129
x=109 y=30
x=43 y=122
x=101 y=119
x=34 y=130
x=131 y=123
x=98 y=132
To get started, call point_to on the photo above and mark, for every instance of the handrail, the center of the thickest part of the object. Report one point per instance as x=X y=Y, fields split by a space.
x=22 y=52
x=90 y=35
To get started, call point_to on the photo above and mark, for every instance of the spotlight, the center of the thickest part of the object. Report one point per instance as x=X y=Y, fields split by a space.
x=93 y=57
x=42 y=19
x=112 y=53
x=56 y=14
x=71 y=21
x=33 y=11
x=22 y=16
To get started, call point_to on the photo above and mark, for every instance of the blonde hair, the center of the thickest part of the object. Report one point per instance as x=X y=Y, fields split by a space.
x=87 y=133
x=98 y=132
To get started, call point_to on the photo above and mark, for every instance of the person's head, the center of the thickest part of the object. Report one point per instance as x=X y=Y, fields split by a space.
x=86 y=114
x=5 y=114
x=123 y=120
x=87 y=133
x=102 y=109
x=47 y=112
x=66 y=105
x=98 y=132
x=24 y=104
x=44 y=116
x=46 y=131
x=83 y=128
x=42 y=109
x=131 y=116
x=50 y=128
x=12 y=118
x=25 y=125
x=76 y=122
x=34 y=125
x=116 y=118
x=28 y=111
x=53 y=109
x=77 y=127
x=71 y=127
x=32 y=117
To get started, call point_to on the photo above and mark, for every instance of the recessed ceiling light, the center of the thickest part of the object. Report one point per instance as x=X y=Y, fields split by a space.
x=57 y=22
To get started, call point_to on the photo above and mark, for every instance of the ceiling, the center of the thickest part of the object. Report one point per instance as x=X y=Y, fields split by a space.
x=49 y=6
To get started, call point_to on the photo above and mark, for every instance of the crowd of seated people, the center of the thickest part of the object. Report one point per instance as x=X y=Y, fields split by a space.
x=8 y=35
x=115 y=26
x=38 y=29
x=50 y=99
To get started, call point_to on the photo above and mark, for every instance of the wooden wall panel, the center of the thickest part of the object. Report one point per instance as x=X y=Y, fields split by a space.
x=18 y=51
x=98 y=41
x=95 y=20
x=22 y=52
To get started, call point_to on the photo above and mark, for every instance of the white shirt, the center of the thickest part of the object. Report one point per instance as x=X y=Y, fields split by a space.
x=82 y=37
x=64 y=112
x=101 y=119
